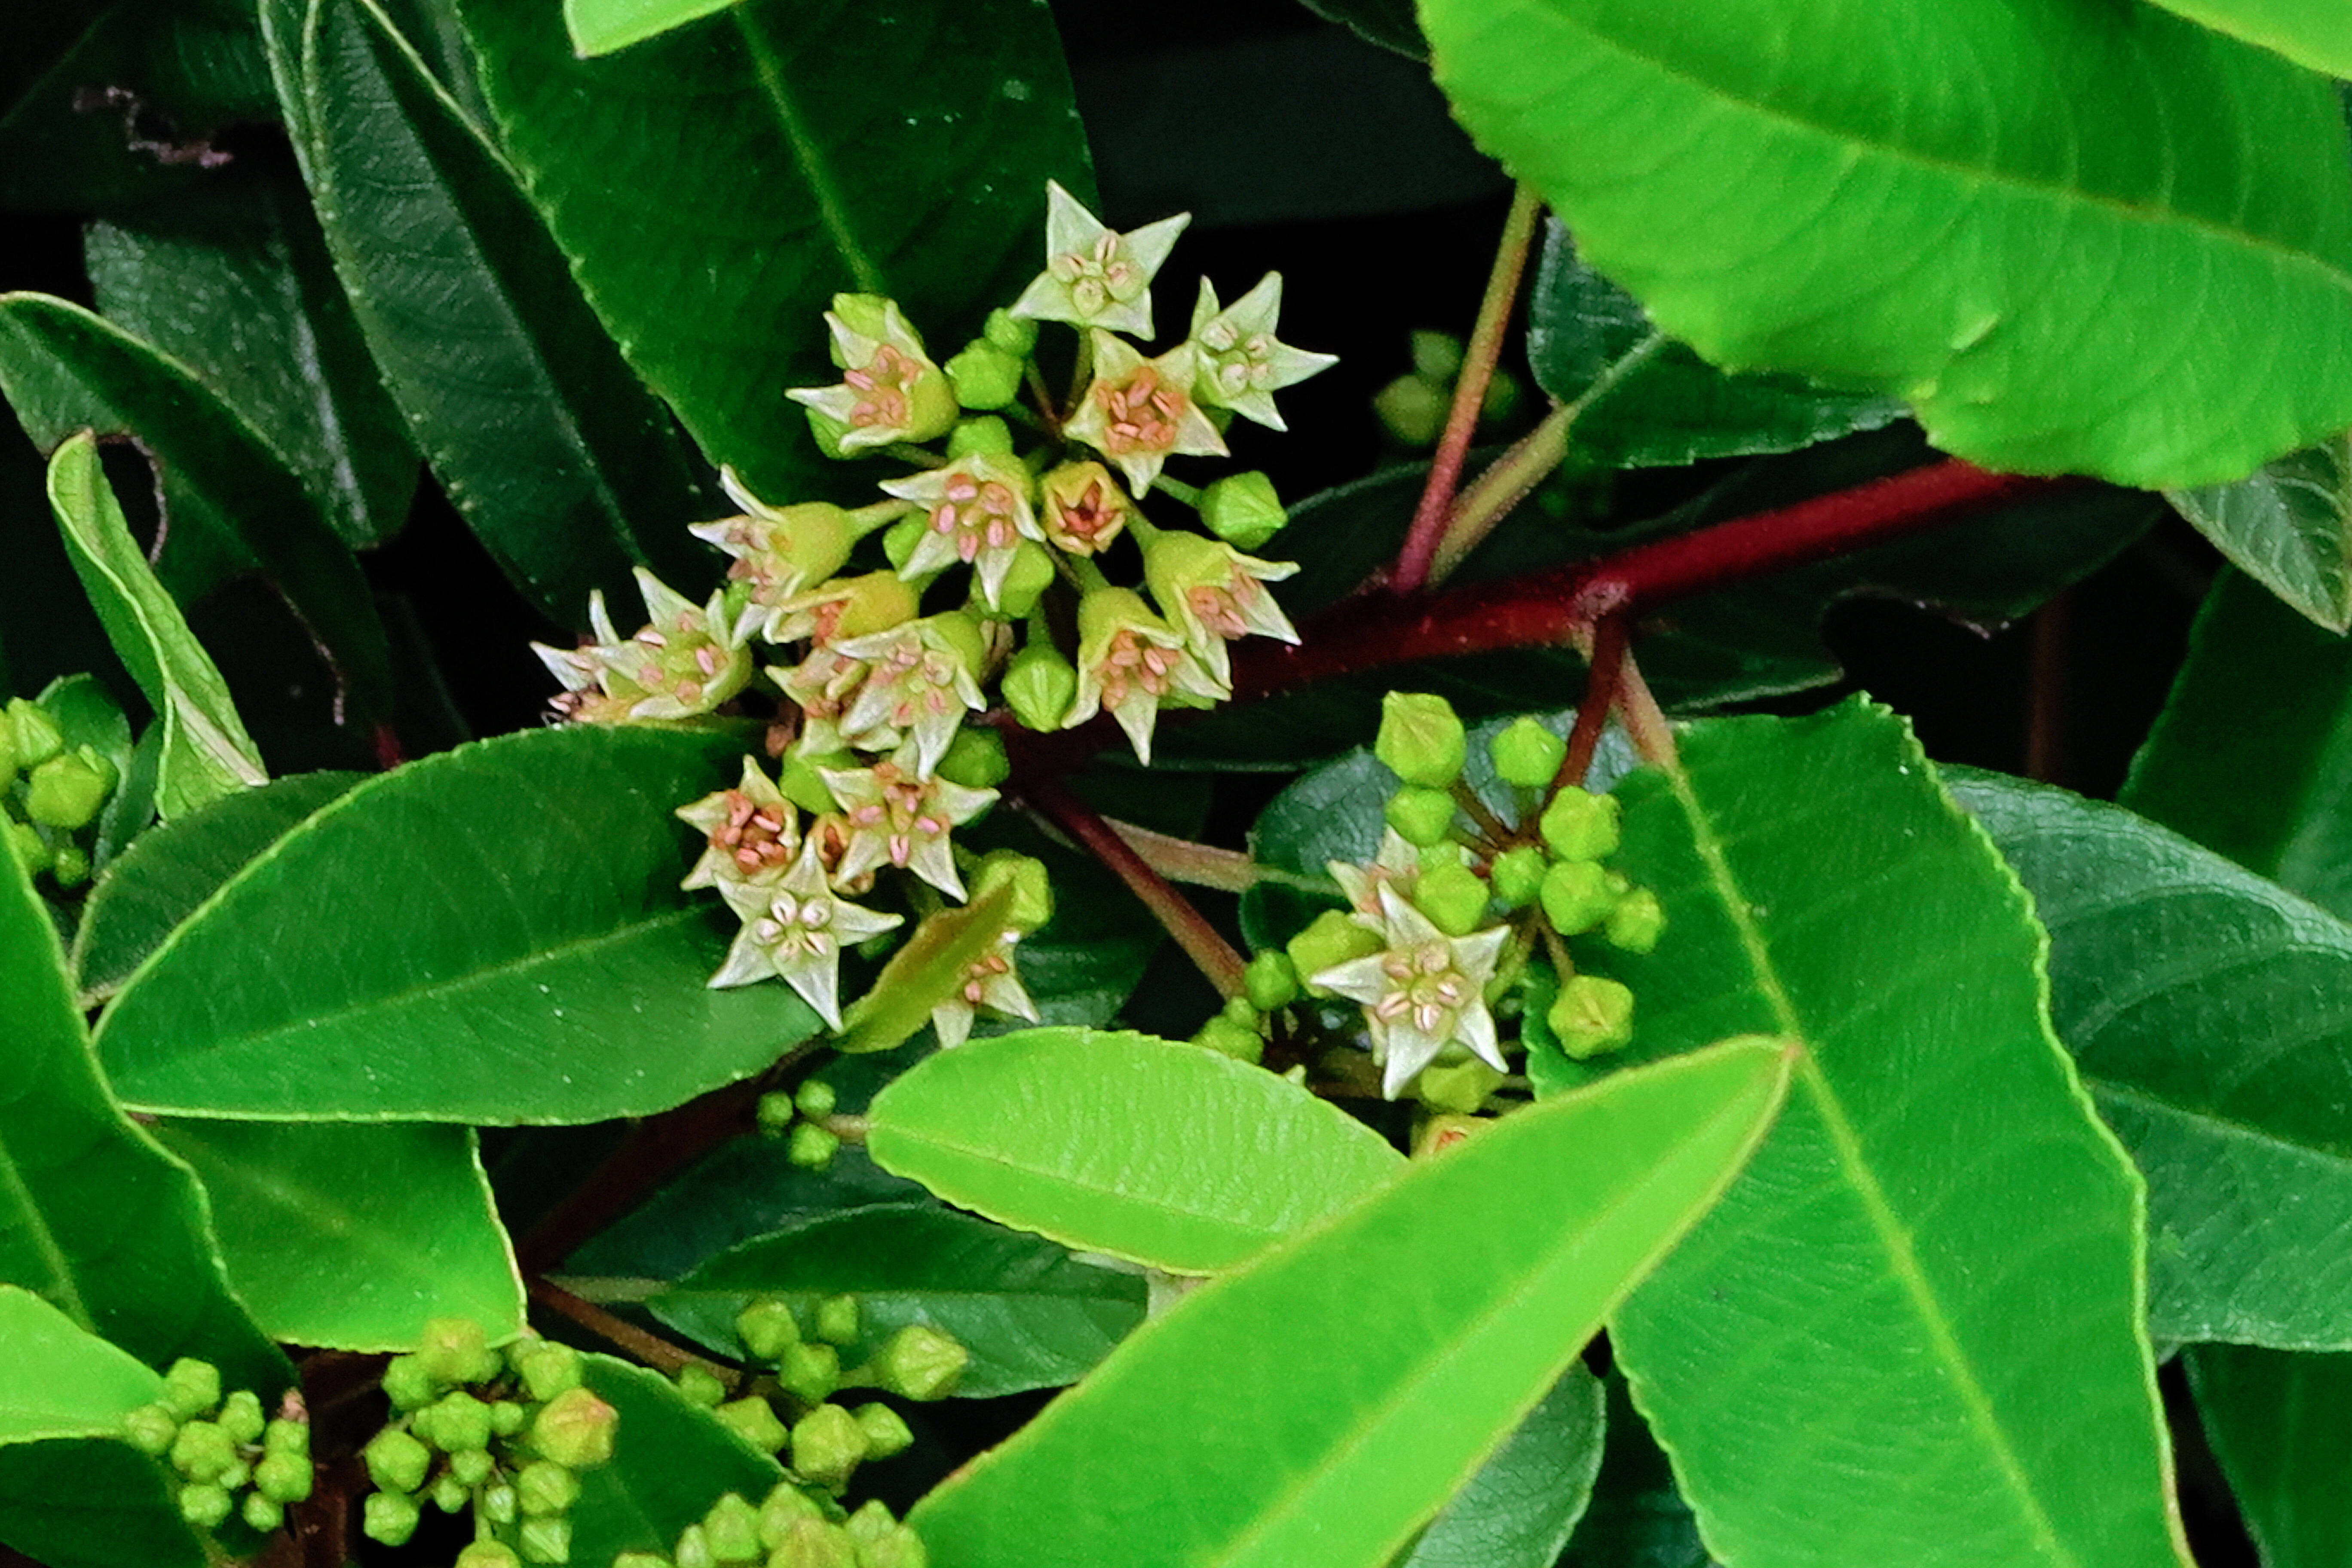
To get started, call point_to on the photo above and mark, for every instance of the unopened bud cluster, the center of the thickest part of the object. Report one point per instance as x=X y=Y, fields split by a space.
x=50 y=793
x=230 y=1459
x=790 y=1528
x=503 y=1433
x=803 y=1120
x=1413 y=408
x=1014 y=567
x=1465 y=906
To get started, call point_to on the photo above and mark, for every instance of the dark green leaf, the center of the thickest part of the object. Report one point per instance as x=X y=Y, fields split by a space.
x=560 y=461
x=162 y=879
x=2315 y=33
x=716 y=186
x=354 y=1237
x=743 y=1189
x=92 y=1502
x=2287 y=525
x=2010 y=246
x=1928 y=1284
x=1316 y=1409
x=1031 y=1315
x=132 y=807
x=1637 y=1518
x=671 y=1463
x=1387 y=22
x=493 y=934
x=600 y=26
x=1520 y=1509
x=2280 y=1422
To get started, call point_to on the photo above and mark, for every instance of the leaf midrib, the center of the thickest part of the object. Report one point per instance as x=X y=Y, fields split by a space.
x=832 y=212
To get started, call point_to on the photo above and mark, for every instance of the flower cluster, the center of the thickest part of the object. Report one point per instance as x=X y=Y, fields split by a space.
x=226 y=1457
x=51 y=793
x=1015 y=563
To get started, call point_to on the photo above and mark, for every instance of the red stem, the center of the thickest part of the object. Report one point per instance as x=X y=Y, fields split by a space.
x=1600 y=696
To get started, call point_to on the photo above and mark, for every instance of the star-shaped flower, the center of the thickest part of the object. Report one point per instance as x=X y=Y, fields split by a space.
x=777 y=551
x=889 y=391
x=1422 y=993
x=1093 y=276
x=1082 y=508
x=992 y=983
x=923 y=678
x=795 y=927
x=1213 y=593
x=1138 y=412
x=688 y=660
x=977 y=511
x=750 y=831
x=1242 y=364
x=900 y=816
x=823 y=684
x=1129 y=662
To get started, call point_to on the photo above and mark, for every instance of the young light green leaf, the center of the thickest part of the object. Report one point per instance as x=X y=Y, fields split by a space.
x=2315 y=33
x=1521 y=1506
x=206 y=752
x=601 y=26
x=1066 y=1132
x=924 y=972
x=2185 y=988
x=1031 y=1315
x=2288 y=525
x=715 y=187
x=354 y=1237
x=2008 y=247
x=665 y=1475
x=1315 y=1408
x=493 y=934
x=1928 y=1284
x=2280 y=1422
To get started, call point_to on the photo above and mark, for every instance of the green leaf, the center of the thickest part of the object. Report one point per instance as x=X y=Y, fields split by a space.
x=2010 y=246
x=76 y=1178
x=2314 y=33
x=205 y=751
x=559 y=460
x=715 y=188
x=1928 y=1283
x=1636 y=1518
x=1071 y=1133
x=2280 y=1422
x=232 y=505
x=925 y=972
x=1314 y=1409
x=671 y=1463
x=93 y=1502
x=2253 y=753
x=493 y=934
x=234 y=282
x=744 y=1188
x=1648 y=402
x=2289 y=526
x=600 y=26
x=354 y=1237
x=2186 y=989
x=161 y=880
x=1519 y=1510
x=1032 y=1316
x=1387 y=22
x=59 y=1380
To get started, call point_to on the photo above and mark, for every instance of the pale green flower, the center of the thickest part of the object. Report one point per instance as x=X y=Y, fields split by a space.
x=899 y=816
x=1213 y=593
x=1422 y=993
x=1138 y=412
x=1129 y=663
x=991 y=982
x=1093 y=276
x=689 y=660
x=889 y=391
x=976 y=510
x=795 y=927
x=1242 y=364
x=749 y=832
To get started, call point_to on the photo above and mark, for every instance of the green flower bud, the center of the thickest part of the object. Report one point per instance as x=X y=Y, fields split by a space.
x=1412 y=410
x=456 y=1421
x=694 y=1548
x=1637 y=921
x=642 y=1560
x=69 y=866
x=837 y=1320
x=827 y=1444
x=700 y=1385
x=732 y=1527
x=1526 y=754
x=811 y=1147
x=1591 y=1016
x=499 y=1504
x=1033 y=887
x=774 y=1113
x=1517 y=876
x=1242 y=1011
x=1461 y=1088
x=1420 y=739
x=25 y=842
x=263 y=1514
x=782 y=1508
x=918 y=1361
x=408 y=1385
x=815 y=1097
x=283 y=1436
x=810 y=1372
x=1026 y=578
x=1227 y=1037
x=36 y=734
x=389 y=1518
x=546 y=1488
x=548 y=1370
x=152 y=1429
x=1013 y=334
x=67 y=791
x=1581 y=826
x=396 y=1462
x=801 y=779
x=1333 y=940
x=1039 y=686
x=1576 y=896
x=751 y=1419
x=814 y=1543
x=236 y=1477
x=1421 y=815
x=458 y=1349
x=449 y=1494
x=898 y=1547
x=488 y=1554
x=984 y=375
x=508 y=1416
x=282 y=1477
x=767 y=1328
x=887 y=1432
x=870 y=1523
x=191 y=1388
x=1453 y=896
x=204 y=1505
x=986 y=434
x=1436 y=356
x=545 y=1539
x=202 y=1451
x=241 y=1417
x=472 y=1467
x=1271 y=981
x=575 y=1429
x=975 y=759
x=1243 y=509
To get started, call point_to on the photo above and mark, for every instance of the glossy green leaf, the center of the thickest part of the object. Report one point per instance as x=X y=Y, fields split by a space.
x=232 y=505
x=2253 y=754
x=354 y=1237
x=1314 y=1409
x=161 y=879
x=600 y=26
x=716 y=186
x=665 y=1474
x=2315 y=33
x=1648 y=402
x=2280 y=1422
x=205 y=751
x=59 y=1380
x=2289 y=526
x=493 y=934
x=1636 y=1518
x=234 y=282
x=561 y=464
x=77 y=1177
x=743 y=1189
x=1032 y=1316
x=1075 y=1134
x=1520 y=1508
x=2201 y=1005
x=2007 y=216
x=1928 y=1284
